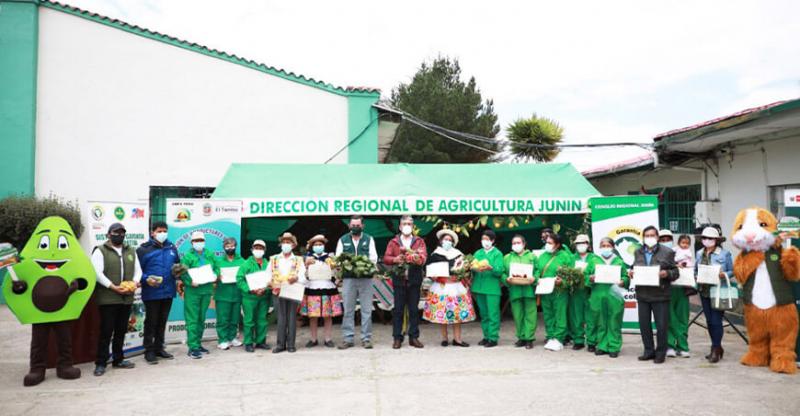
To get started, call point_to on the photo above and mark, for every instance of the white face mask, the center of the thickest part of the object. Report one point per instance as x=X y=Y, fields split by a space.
x=549 y=247
x=582 y=248
x=487 y=244
x=406 y=229
x=650 y=241
x=286 y=248
x=708 y=242
x=161 y=237
x=258 y=254
x=199 y=245
x=517 y=247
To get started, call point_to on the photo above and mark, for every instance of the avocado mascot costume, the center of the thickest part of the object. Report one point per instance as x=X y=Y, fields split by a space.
x=48 y=288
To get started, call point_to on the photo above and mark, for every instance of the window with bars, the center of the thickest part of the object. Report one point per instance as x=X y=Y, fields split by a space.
x=676 y=207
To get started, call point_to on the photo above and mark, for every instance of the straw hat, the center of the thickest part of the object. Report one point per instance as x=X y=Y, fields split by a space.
x=447 y=231
x=288 y=236
x=314 y=239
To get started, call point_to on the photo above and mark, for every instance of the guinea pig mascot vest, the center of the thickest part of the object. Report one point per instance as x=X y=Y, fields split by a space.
x=765 y=270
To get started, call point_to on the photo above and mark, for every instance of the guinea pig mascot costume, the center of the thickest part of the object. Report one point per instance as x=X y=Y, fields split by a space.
x=49 y=288
x=765 y=270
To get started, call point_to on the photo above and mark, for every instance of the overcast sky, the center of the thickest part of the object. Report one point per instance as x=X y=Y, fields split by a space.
x=607 y=71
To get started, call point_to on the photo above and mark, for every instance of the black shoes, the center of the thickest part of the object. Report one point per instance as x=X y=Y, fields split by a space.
x=445 y=343
x=646 y=357
x=529 y=345
x=659 y=359
x=150 y=357
x=577 y=347
x=165 y=355
x=460 y=344
x=613 y=354
x=591 y=348
x=278 y=350
x=482 y=342
x=601 y=352
x=312 y=344
x=520 y=343
x=124 y=364
x=99 y=370
x=490 y=344
x=250 y=348
x=203 y=350
x=262 y=346
x=291 y=349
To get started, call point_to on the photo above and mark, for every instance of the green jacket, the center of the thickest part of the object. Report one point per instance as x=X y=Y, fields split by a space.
x=605 y=287
x=191 y=260
x=547 y=268
x=488 y=282
x=591 y=260
x=250 y=266
x=519 y=292
x=228 y=292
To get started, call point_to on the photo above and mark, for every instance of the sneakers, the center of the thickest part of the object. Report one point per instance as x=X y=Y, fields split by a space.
x=671 y=353
x=195 y=354
x=345 y=345
x=203 y=350
x=684 y=354
x=367 y=344
x=223 y=345
x=236 y=343
x=554 y=345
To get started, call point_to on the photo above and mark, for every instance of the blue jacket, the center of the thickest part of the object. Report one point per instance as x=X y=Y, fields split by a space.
x=157 y=260
x=719 y=256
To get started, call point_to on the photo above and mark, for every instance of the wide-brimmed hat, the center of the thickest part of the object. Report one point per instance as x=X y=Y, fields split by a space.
x=314 y=239
x=288 y=236
x=447 y=231
x=711 y=232
x=581 y=238
x=665 y=233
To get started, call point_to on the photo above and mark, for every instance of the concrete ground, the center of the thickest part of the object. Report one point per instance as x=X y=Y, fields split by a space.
x=383 y=381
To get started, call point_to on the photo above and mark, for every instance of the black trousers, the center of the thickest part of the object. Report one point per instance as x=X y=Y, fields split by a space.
x=660 y=312
x=287 y=321
x=113 y=326
x=406 y=294
x=156 y=313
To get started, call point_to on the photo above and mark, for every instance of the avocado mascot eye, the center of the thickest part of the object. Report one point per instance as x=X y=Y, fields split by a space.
x=62 y=243
x=44 y=243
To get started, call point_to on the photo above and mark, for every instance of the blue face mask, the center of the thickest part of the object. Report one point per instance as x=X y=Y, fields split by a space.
x=199 y=245
x=606 y=252
x=318 y=249
x=667 y=244
x=161 y=237
x=447 y=244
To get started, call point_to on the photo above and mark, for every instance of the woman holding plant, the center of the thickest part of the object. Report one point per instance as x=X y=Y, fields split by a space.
x=554 y=304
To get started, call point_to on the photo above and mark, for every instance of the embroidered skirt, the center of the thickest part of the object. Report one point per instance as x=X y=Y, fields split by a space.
x=448 y=303
x=324 y=303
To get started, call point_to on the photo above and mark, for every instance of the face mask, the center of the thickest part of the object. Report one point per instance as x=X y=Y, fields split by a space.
x=582 y=248
x=356 y=230
x=258 y=253
x=161 y=237
x=286 y=248
x=517 y=247
x=406 y=229
x=708 y=242
x=230 y=251
x=447 y=244
x=549 y=248
x=667 y=244
x=650 y=241
x=117 y=239
x=606 y=252
x=487 y=244
x=199 y=246
x=318 y=249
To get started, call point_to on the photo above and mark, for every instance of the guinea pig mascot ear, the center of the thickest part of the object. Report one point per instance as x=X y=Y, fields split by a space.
x=765 y=271
x=49 y=288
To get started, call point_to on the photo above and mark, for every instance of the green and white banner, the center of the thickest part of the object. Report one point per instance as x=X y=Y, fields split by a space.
x=280 y=207
x=622 y=218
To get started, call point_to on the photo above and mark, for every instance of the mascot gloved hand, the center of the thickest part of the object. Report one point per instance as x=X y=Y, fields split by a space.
x=49 y=288
x=765 y=270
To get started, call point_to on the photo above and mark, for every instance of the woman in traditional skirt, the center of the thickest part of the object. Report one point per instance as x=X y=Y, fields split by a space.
x=322 y=299
x=449 y=301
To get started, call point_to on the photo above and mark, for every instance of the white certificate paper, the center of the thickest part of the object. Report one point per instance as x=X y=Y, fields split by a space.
x=438 y=269
x=646 y=275
x=520 y=269
x=319 y=271
x=229 y=274
x=202 y=275
x=257 y=280
x=293 y=291
x=607 y=273
x=708 y=275
x=685 y=277
x=580 y=264
x=546 y=286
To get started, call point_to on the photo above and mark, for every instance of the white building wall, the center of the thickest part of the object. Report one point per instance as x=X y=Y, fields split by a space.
x=632 y=182
x=118 y=112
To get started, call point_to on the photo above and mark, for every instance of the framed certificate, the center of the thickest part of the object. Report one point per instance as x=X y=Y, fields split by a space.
x=438 y=269
x=546 y=286
x=607 y=273
x=292 y=291
x=686 y=277
x=646 y=275
x=520 y=269
x=319 y=271
x=708 y=275
x=229 y=274
x=202 y=275
x=257 y=280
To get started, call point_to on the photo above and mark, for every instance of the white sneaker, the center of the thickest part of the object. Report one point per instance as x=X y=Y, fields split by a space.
x=236 y=343
x=684 y=354
x=671 y=353
x=553 y=345
x=223 y=345
x=548 y=345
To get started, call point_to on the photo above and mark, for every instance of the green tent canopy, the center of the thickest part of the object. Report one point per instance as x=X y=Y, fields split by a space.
x=290 y=190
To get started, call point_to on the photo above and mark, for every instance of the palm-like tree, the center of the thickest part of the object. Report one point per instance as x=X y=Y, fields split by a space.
x=527 y=135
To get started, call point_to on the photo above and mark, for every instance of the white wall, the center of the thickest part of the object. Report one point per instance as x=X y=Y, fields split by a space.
x=119 y=112
x=630 y=182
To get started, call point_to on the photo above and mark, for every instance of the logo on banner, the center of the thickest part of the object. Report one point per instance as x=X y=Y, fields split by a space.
x=183 y=215
x=137 y=213
x=627 y=241
x=97 y=212
x=207 y=209
x=119 y=212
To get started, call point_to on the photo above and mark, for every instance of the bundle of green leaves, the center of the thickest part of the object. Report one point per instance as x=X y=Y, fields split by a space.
x=572 y=278
x=358 y=266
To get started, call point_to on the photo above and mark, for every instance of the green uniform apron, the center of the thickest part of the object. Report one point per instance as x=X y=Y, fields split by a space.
x=486 y=291
x=522 y=298
x=196 y=299
x=228 y=300
x=255 y=308
x=554 y=305
x=607 y=309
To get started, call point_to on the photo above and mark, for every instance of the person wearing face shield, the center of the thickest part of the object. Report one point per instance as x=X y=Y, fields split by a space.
x=157 y=256
x=581 y=325
x=255 y=302
x=197 y=297
x=228 y=298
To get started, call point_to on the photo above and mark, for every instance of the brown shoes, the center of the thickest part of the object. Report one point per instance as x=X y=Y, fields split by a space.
x=68 y=373
x=397 y=344
x=414 y=342
x=716 y=354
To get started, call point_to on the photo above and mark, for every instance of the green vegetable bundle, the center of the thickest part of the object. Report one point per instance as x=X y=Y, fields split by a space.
x=465 y=272
x=354 y=265
x=572 y=278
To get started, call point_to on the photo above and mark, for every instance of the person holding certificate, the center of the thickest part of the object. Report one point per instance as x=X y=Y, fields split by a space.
x=198 y=282
x=284 y=272
x=678 y=339
x=488 y=270
x=654 y=300
x=607 y=304
x=449 y=301
x=578 y=307
x=713 y=254
x=228 y=297
x=554 y=304
x=255 y=300
x=522 y=297
x=321 y=298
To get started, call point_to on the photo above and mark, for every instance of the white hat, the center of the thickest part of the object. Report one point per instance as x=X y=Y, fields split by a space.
x=581 y=238
x=447 y=231
x=665 y=233
x=259 y=243
x=198 y=235
x=710 y=232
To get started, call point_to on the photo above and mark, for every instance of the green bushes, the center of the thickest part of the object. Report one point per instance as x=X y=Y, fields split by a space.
x=20 y=215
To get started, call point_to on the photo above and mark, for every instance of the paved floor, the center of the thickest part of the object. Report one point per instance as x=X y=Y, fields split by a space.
x=434 y=380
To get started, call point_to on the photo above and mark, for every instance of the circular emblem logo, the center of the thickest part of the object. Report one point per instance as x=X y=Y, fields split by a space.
x=97 y=213
x=627 y=240
x=207 y=209
x=183 y=215
x=119 y=213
